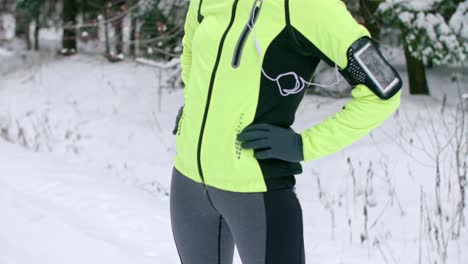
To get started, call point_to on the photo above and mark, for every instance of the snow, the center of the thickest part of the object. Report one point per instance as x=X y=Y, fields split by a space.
x=55 y=211
x=87 y=178
x=406 y=17
x=416 y=5
x=459 y=21
x=7 y=26
x=5 y=52
x=83 y=113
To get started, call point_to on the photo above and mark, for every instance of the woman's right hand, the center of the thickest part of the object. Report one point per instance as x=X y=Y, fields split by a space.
x=179 y=114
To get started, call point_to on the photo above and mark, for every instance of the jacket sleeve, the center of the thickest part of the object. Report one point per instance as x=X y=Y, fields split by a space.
x=191 y=24
x=329 y=26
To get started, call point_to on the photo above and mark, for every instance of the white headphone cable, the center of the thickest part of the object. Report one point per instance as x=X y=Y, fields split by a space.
x=300 y=82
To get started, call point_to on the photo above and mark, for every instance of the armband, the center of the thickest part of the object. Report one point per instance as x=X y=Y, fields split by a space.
x=367 y=66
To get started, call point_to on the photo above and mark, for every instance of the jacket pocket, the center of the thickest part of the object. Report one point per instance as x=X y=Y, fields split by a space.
x=236 y=59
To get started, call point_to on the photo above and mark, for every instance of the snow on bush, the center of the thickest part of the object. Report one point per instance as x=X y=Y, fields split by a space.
x=425 y=32
x=7 y=26
x=459 y=21
x=5 y=53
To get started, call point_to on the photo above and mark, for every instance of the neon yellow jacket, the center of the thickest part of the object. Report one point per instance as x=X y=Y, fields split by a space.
x=225 y=90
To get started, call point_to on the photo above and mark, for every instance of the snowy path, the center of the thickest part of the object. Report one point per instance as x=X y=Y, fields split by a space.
x=58 y=213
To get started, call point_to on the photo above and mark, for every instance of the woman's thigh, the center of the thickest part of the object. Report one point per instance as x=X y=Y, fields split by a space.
x=267 y=227
x=200 y=233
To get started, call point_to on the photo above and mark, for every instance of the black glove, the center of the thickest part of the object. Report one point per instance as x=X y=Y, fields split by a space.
x=179 y=114
x=272 y=142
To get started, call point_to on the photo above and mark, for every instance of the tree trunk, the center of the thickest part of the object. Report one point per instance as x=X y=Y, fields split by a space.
x=70 y=9
x=119 y=31
x=19 y=18
x=133 y=28
x=416 y=74
x=27 y=33
x=367 y=9
x=133 y=36
x=106 y=29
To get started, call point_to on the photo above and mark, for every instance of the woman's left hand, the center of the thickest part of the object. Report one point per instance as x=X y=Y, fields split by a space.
x=272 y=142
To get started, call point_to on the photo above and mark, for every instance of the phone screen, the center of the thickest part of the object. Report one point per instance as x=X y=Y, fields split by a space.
x=380 y=72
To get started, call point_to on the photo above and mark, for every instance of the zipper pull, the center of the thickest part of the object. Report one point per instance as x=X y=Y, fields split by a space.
x=257 y=46
x=257 y=6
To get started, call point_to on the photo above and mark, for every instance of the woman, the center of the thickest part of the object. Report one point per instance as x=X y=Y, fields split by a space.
x=244 y=66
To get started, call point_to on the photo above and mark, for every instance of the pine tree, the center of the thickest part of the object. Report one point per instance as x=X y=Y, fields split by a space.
x=426 y=35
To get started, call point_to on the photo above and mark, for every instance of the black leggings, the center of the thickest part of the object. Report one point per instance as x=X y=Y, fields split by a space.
x=266 y=227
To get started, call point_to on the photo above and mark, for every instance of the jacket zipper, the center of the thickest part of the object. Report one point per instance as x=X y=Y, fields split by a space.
x=210 y=90
x=236 y=59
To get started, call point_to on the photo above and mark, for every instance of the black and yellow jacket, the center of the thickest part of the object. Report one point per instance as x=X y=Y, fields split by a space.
x=225 y=90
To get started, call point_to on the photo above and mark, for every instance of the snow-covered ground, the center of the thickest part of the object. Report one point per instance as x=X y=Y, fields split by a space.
x=57 y=211
x=90 y=182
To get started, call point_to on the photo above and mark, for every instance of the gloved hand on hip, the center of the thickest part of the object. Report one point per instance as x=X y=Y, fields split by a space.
x=272 y=142
x=179 y=114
